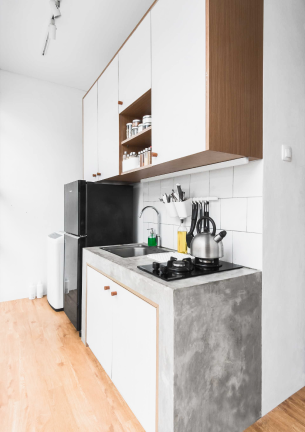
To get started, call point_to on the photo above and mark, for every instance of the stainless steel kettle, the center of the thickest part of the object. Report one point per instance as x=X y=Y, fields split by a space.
x=206 y=245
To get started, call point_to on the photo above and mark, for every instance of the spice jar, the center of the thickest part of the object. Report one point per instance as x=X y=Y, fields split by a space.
x=135 y=123
x=147 y=119
x=134 y=131
x=128 y=130
x=141 y=127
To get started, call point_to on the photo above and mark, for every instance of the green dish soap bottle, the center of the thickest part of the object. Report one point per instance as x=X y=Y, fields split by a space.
x=152 y=240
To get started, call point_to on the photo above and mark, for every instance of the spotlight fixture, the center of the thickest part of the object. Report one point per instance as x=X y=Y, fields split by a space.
x=52 y=29
x=55 y=5
x=51 y=33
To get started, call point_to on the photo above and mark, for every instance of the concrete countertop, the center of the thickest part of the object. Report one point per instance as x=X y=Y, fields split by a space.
x=132 y=264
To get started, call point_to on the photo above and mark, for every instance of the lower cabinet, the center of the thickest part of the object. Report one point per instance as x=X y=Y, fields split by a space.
x=122 y=334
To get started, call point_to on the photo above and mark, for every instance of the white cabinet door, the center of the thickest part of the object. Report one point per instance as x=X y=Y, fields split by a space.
x=90 y=134
x=178 y=78
x=134 y=354
x=135 y=65
x=108 y=121
x=99 y=318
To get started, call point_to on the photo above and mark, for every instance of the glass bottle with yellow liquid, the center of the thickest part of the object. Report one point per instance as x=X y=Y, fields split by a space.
x=181 y=240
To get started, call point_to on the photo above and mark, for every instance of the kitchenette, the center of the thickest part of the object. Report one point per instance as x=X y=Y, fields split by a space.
x=170 y=296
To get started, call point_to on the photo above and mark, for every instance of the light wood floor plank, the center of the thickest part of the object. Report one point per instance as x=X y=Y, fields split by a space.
x=49 y=381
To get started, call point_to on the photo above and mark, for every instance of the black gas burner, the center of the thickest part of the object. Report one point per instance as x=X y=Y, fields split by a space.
x=202 y=263
x=181 y=269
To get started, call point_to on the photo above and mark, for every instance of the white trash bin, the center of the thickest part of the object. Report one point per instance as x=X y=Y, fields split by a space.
x=55 y=270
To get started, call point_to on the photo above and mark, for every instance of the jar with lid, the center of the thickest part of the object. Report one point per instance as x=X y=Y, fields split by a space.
x=135 y=123
x=134 y=130
x=141 y=127
x=145 y=157
x=128 y=130
x=147 y=119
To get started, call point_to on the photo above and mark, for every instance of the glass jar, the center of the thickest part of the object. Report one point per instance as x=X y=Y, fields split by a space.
x=146 y=119
x=141 y=127
x=135 y=130
x=135 y=123
x=128 y=130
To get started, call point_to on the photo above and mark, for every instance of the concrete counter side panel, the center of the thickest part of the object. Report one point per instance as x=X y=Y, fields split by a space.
x=217 y=355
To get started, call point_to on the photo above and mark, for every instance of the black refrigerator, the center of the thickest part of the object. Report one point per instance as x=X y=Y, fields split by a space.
x=96 y=214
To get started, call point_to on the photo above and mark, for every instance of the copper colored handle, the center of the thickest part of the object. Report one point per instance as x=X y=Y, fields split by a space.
x=114 y=293
x=154 y=154
x=106 y=288
x=93 y=175
x=120 y=102
x=98 y=174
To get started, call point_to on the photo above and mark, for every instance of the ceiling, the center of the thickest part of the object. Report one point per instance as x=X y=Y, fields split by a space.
x=88 y=35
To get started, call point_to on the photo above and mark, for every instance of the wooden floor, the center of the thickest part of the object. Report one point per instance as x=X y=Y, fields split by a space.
x=287 y=417
x=49 y=381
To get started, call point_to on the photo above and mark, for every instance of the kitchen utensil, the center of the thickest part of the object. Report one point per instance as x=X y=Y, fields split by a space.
x=205 y=245
x=180 y=193
x=190 y=234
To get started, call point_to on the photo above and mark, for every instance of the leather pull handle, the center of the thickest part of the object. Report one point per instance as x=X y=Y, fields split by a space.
x=154 y=154
x=106 y=288
x=114 y=293
x=98 y=174
x=93 y=175
x=120 y=102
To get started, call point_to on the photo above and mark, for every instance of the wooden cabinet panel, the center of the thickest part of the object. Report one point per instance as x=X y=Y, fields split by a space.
x=135 y=65
x=134 y=355
x=178 y=78
x=90 y=134
x=99 y=318
x=108 y=121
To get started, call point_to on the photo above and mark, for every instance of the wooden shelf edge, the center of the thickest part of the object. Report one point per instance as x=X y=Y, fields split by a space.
x=132 y=139
x=207 y=157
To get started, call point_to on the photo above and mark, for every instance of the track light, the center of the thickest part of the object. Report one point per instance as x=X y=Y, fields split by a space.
x=51 y=33
x=52 y=29
x=54 y=5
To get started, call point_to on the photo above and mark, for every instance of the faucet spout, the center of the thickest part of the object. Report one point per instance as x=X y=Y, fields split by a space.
x=158 y=215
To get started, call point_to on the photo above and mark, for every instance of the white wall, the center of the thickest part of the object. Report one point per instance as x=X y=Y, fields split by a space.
x=284 y=202
x=238 y=211
x=40 y=150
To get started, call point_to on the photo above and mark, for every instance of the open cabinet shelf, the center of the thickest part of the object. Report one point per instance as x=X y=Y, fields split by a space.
x=141 y=139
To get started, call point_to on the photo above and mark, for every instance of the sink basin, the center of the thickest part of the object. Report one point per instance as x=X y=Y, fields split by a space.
x=128 y=251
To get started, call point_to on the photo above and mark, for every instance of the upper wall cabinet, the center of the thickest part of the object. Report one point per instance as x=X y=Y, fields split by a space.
x=178 y=78
x=135 y=65
x=90 y=135
x=108 y=121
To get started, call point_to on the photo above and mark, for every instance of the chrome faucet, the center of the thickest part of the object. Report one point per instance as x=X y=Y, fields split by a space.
x=158 y=237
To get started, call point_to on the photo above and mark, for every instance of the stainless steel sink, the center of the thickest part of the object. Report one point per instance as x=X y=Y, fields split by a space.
x=128 y=251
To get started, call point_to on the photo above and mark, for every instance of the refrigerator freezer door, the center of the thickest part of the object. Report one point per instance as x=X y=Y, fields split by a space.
x=75 y=208
x=109 y=214
x=73 y=278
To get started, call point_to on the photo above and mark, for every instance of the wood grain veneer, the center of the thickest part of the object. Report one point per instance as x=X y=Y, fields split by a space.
x=235 y=76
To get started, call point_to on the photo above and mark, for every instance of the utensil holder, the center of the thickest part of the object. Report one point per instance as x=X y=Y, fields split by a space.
x=183 y=209
x=171 y=209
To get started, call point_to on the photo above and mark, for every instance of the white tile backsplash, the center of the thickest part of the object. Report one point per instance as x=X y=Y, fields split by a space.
x=238 y=211
x=200 y=184
x=247 y=249
x=248 y=180
x=221 y=183
x=154 y=191
x=255 y=215
x=233 y=214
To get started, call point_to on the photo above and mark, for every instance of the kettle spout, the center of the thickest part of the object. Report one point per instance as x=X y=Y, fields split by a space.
x=220 y=236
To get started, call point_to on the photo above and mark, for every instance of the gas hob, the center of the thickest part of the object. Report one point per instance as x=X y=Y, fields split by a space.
x=176 y=270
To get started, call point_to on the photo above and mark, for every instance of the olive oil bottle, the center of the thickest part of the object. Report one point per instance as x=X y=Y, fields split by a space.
x=181 y=240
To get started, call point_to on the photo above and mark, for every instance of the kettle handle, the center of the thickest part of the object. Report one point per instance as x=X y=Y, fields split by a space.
x=212 y=222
